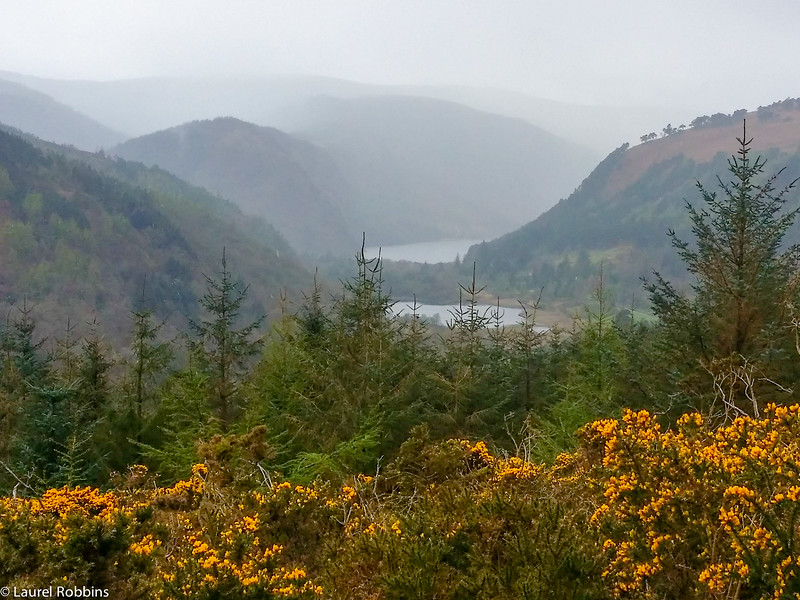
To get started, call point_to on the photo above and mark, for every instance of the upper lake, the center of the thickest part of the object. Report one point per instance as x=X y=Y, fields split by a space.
x=423 y=252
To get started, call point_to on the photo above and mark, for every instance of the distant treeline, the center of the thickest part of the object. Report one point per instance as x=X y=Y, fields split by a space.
x=764 y=113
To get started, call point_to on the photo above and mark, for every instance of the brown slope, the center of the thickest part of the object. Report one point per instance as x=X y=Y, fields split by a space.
x=701 y=144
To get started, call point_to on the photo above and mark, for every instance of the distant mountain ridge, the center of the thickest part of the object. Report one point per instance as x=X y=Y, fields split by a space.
x=141 y=106
x=401 y=169
x=44 y=117
x=425 y=169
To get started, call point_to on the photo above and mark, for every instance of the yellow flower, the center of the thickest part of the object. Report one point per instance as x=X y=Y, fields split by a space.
x=348 y=492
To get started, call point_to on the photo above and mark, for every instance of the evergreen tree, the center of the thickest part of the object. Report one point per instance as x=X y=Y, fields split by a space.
x=314 y=322
x=477 y=379
x=731 y=334
x=66 y=356
x=341 y=385
x=187 y=418
x=150 y=359
x=93 y=376
x=49 y=440
x=222 y=347
x=133 y=414
x=23 y=361
x=25 y=369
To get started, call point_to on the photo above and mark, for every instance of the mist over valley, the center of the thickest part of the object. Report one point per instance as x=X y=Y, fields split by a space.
x=325 y=161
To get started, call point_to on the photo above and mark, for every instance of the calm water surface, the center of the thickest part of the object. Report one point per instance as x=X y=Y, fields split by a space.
x=442 y=314
x=424 y=252
x=439 y=252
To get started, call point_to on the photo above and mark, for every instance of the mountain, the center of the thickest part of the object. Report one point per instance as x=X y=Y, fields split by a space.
x=34 y=112
x=81 y=234
x=600 y=128
x=402 y=169
x=40 y=115
x=268 y=173
x=141 y=106
x=424 y=169
x=620 y=215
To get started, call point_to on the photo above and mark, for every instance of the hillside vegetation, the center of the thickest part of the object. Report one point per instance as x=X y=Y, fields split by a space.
x=620 y=215
x=82 y=234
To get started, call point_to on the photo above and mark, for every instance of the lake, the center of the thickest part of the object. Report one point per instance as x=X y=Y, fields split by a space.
x=440 y=314
x=424 y=252
x=439 y=252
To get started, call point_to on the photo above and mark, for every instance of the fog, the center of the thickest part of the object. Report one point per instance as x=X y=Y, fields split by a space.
x=710 y=56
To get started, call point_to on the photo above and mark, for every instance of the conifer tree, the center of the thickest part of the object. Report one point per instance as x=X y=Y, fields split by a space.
x=150 y=358
x=360 y=366
x=23 y=361
x=93 y=375
x=24 y=368
x=132 y=420
x=733 y=328
x=592 y=382
x=477 y=381
x=222 y=347
x=42 y=411
x=313 y=321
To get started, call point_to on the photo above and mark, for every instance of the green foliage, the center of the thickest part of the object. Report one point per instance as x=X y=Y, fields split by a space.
x=618 y=216
x=221 y=349
x=329 y=382
x=185 y=418
x=80 y=232
x=343 y=387
x=736 y=324
x=6 y=186
x=150 y=358
x=592 y=383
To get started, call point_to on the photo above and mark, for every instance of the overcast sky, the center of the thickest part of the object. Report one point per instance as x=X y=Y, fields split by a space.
x=710 y=54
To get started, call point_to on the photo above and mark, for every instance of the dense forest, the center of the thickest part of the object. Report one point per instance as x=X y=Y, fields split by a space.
x=350 y=453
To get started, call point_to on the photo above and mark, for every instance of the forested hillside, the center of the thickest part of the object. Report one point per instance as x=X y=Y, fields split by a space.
x=81 y=236
x=620 y=215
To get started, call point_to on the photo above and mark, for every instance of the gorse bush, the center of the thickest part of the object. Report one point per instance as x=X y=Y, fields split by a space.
x=695 y=512
x=182 y=541
x=634 y=512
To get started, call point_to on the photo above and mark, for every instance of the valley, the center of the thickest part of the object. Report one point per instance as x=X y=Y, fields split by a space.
x=414 y=167
x=394 y=301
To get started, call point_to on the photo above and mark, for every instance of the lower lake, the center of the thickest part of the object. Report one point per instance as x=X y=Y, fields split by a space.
x=442 y=314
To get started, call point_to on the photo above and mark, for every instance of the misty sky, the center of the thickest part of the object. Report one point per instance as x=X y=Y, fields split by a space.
x=706 y=54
